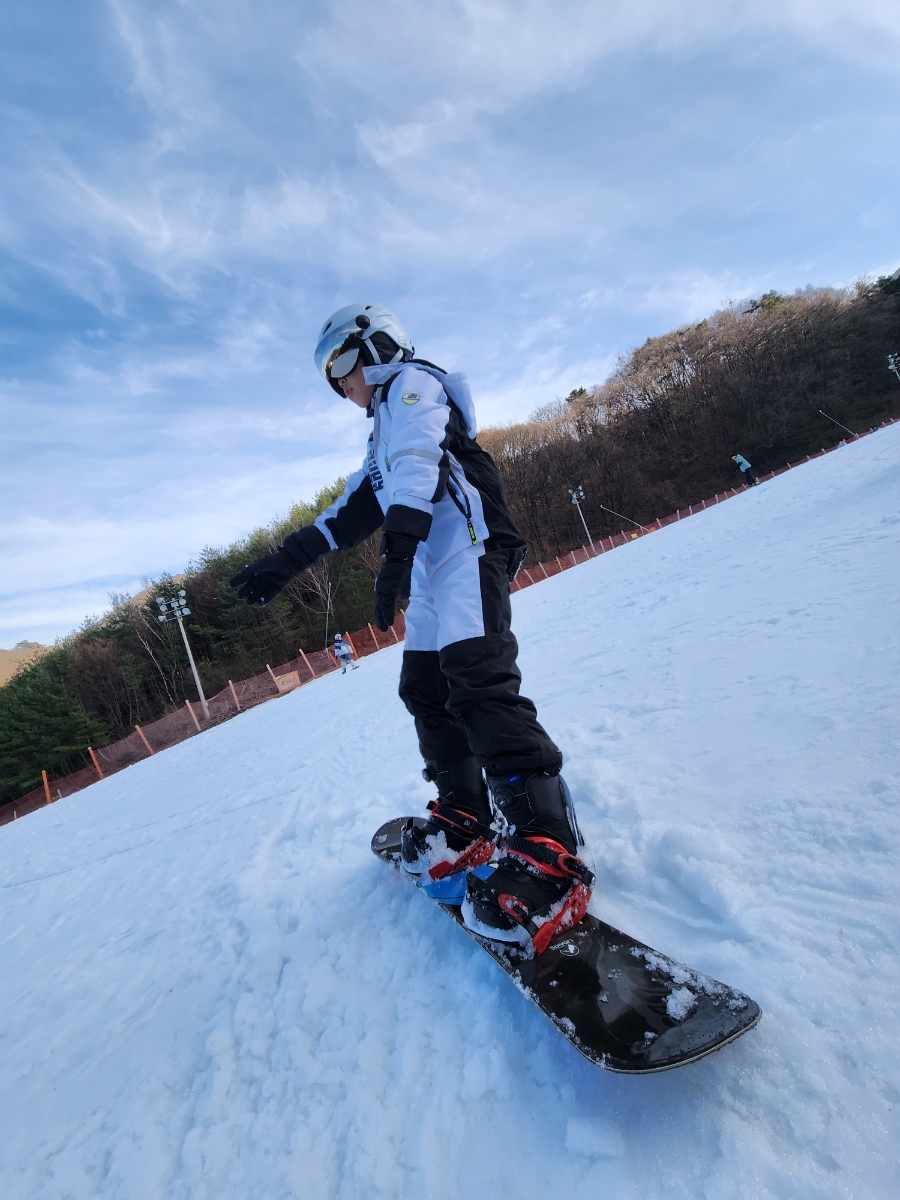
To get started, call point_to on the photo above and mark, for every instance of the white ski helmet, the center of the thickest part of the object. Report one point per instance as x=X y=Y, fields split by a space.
x=357 y=321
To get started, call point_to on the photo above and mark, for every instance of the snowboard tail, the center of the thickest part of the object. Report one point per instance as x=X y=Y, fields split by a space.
x=625 y=1006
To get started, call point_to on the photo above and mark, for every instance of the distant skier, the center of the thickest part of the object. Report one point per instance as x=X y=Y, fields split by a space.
x=344 y=653
x=449 y=544
x=746 y=470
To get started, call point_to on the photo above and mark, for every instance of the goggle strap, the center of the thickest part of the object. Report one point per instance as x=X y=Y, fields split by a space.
x=351 y=356
x=367 y=338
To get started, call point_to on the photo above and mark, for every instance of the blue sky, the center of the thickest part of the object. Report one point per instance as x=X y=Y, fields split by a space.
x=190 y=188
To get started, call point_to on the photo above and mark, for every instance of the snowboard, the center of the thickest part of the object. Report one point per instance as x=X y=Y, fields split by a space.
x=625 y=1006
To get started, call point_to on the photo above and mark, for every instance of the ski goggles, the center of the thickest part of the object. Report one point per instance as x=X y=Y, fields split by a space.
x=342 y=366
x=338 y=351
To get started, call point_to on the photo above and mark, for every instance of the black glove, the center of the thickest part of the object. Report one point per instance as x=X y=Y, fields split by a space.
x=261 y=581
x=392 y=584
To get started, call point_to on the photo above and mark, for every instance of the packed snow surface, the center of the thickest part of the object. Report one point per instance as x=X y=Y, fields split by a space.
x=210 y=989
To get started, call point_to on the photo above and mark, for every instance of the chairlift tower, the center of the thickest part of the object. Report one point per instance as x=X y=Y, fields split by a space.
x=177 y=610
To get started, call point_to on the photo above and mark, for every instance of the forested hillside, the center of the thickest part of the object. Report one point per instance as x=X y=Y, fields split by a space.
x=656 y=436
x=126 y=668
x=660 y=432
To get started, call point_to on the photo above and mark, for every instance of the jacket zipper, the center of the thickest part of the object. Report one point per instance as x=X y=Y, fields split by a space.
x=465 y=509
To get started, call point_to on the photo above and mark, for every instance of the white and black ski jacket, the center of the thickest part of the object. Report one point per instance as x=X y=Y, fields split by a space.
x=424 y=475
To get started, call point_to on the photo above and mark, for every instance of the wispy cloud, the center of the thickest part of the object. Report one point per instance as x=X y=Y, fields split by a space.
x=189 y=188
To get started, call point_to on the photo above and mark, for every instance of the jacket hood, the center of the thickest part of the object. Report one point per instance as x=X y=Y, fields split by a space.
x=456 y=386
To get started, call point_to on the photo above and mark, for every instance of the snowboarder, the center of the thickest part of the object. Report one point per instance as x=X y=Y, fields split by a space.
x=344 y=653
x=746 y=470
x=449 y=544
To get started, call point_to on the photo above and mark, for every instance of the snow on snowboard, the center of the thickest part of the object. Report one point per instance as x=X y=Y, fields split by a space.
x=624 y=1006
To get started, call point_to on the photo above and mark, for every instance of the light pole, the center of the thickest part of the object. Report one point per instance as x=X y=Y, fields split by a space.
x=577 y=495
x=894 y=364
x=177 y=610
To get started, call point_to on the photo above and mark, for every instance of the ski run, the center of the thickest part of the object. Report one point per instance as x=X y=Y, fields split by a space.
x=210 y=989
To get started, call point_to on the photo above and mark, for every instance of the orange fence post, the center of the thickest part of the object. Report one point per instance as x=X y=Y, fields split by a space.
x=394 y=632
x=187 y=704
x=349 y=640
x=274 y=678
x=140 y=734
x=46 y=787
x=372 y=635
x=96 y=764
x=309 y=665
x=237 y=703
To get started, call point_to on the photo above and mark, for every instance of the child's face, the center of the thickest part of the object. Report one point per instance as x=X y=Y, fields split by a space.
x=356 y=389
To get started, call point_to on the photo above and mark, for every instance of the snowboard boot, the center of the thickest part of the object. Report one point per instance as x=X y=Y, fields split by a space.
x=458 y=834
x=541 y=886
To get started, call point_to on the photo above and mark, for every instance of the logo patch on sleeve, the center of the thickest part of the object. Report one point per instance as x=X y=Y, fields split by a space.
x=410 y=397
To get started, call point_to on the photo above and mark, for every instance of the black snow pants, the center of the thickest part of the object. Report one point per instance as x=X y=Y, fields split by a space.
x=465 y=698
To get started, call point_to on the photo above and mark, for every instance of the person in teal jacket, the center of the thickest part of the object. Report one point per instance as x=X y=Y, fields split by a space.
x=746 y=470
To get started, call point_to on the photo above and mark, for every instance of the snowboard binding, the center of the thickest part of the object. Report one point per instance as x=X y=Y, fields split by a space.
x=508 y=853
x=515 y=904
x=541 y=887
x=457 y=836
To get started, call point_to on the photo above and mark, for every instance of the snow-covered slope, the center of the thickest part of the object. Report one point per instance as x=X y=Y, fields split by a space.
x=209 y=988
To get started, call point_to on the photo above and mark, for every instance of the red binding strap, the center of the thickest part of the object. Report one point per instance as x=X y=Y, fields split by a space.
x=548 y=856
x=475 y=855
x=459 y=818
x=570 y=914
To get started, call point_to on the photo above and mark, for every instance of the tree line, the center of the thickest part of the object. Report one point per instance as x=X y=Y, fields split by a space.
x=127 y=669
x=656 y=436
x=660 y=432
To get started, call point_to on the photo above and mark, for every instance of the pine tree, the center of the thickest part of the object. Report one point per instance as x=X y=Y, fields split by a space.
x=42 y=726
